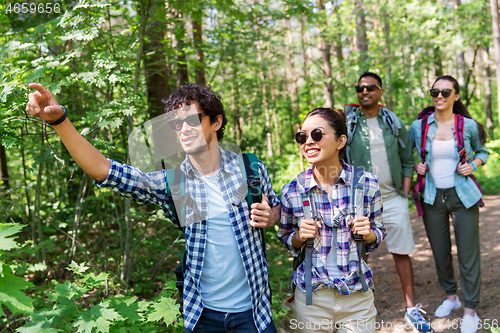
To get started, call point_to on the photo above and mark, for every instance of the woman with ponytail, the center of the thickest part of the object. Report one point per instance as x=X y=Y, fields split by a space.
x=451 y=190
x=340 y=281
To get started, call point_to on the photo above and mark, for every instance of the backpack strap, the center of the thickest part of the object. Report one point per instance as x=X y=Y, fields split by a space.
x=352 y=123
x=459 y=134
x=309 y=207
x=357 y=204
x=391 y=122
x=419 y=187
x=176 y=190
x=251 y=164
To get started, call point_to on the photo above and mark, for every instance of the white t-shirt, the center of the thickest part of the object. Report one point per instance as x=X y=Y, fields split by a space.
x=379 y=160
x=224 y=285
x=443 y=163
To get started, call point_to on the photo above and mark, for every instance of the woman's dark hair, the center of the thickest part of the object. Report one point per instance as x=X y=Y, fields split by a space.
x=335 y=118
x=210 y=103
x=460 y=108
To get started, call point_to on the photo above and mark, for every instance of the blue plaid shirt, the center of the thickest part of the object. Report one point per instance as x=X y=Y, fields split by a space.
x=150 y=188
x=347 y=257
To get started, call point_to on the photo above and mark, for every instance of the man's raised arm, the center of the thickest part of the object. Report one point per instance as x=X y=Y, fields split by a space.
x=44 y=106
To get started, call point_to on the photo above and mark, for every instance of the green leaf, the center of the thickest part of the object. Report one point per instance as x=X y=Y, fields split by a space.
x=92 y=280
x=165 y=309
x=128 y=308
x=100 y=318
x=38 y=327
x=77 y=269
x=65 y=290
x=6 y=230
x=11 y=292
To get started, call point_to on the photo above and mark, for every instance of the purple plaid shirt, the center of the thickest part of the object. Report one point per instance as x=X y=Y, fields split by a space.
x=347 y=257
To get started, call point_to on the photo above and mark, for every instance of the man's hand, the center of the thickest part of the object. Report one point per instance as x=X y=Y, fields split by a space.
x=261 y=214
x=465 y=169
x=361 y=226
x=43 y=105
x=421 y=168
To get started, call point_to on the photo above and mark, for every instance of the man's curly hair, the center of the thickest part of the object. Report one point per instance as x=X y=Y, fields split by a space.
x=210 y=103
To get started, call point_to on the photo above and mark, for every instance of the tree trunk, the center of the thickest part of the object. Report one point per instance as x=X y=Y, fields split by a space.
x=496 y=43
x=292 y=87
x=180 y=35
x=78 y=215
x=199 y=68
x=438 y=61
x=361 y=35
x=490 y=125
x=305 y=47
x=4 y=171
x=387 y=55
x=325 y=54
x=155 y=62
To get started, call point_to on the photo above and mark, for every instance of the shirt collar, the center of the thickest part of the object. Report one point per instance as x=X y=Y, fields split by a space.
x=310 y=182
x=229 y=163
x=431 y=118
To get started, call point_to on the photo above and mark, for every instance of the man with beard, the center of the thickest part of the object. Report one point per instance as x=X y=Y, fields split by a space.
x=379 y=143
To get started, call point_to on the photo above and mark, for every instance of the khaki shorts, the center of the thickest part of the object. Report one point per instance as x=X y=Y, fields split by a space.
x=396 y=217
x=332 y=312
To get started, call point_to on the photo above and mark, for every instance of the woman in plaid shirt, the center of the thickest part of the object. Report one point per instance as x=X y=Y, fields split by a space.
x=338 y=301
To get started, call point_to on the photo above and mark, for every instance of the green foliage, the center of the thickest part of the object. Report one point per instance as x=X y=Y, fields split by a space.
x=487 y=175
x=12 y=292
x=70 y=305
x=255 y=53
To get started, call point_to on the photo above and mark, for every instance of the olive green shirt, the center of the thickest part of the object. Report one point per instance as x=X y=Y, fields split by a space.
x=401 y=161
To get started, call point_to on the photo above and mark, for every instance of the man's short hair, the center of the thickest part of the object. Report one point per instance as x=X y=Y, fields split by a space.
x=210 y=103
x=373 y=75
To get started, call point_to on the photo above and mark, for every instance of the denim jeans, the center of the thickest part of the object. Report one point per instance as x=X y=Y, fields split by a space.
x=220 y=322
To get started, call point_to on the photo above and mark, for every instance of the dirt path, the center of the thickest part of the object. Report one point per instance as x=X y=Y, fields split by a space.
x=389 y=297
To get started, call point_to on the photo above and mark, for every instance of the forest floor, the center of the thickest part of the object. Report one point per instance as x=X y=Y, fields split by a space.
x=389 y=299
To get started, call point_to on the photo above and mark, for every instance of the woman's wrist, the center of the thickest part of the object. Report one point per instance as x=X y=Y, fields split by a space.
x=474 y=166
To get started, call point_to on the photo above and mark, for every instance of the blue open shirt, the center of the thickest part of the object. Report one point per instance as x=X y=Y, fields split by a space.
x=467 y=190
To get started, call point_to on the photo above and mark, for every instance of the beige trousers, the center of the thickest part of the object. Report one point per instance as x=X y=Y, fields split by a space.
x=332 y=312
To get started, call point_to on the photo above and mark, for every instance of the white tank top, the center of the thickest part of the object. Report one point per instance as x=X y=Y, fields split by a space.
x=444 y=162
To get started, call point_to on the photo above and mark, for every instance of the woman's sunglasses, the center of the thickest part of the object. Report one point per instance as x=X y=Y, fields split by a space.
x=192 y=120
x=369 y=87
x=301 y=137
x=445 y=92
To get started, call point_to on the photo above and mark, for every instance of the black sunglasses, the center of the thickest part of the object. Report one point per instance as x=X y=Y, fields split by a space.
x=369 y=87
x=301 y=137
x=192 y=120
x=445 y=92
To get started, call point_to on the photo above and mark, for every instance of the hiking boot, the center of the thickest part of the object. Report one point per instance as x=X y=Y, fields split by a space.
x=445 y=309
x=417 y=321
x=469 y=324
